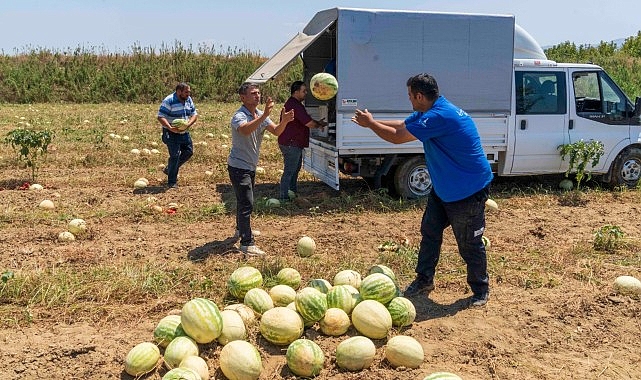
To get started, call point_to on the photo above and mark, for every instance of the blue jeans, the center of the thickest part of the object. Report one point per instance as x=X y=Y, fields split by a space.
x=180 y=149
x=467 y=218
x=242 y=181
x=293 y=161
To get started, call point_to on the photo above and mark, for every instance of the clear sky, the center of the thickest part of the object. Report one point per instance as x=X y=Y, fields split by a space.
x=264 y=26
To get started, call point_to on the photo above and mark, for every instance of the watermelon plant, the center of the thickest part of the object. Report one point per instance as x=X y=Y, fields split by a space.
x=580 y=154
x=30 y=145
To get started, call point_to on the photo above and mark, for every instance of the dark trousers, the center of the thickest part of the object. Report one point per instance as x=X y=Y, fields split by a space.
x=242 y=181
x=467 y=218
x=180 y=149
x=293 y=161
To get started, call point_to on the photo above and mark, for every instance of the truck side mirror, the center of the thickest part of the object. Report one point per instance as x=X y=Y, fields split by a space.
x=637 y=107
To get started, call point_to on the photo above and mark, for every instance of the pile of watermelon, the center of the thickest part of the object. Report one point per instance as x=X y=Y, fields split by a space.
x=373 y=305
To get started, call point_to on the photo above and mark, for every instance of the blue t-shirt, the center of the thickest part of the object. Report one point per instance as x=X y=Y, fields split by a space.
x=453 y=152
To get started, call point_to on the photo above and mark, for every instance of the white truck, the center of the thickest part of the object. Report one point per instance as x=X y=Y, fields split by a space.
x=524 y=105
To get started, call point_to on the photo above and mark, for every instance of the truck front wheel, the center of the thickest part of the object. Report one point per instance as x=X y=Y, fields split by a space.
x=626 y=170
x=411 y=178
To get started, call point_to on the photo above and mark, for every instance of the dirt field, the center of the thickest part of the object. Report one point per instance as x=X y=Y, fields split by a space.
x=74 y=310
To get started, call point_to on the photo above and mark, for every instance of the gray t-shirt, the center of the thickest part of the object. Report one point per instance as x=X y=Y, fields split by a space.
x=245 y=149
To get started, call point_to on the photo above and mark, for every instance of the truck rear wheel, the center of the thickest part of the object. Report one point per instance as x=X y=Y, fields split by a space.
x=411 y=178
x=626 y=170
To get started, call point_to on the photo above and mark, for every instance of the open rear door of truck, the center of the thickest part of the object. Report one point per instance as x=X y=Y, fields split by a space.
x=319 y=24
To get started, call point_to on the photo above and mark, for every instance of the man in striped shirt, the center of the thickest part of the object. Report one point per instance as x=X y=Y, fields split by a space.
x=178 y=105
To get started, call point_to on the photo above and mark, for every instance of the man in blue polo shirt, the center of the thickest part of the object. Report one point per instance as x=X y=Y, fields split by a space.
x=178 y=105
x=461 y=177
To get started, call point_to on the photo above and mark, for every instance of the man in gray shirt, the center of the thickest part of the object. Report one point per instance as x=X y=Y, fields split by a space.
x=248 y=126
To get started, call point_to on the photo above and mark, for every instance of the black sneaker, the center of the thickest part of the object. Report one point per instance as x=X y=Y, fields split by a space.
x=479 y=300
x=420 y=286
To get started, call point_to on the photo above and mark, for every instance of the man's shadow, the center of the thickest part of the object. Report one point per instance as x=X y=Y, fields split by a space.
x=225 y=248
x=427 y=309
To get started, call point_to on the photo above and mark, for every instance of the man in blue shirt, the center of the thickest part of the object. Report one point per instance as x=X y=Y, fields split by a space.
x=178 y=105
x=461 y=177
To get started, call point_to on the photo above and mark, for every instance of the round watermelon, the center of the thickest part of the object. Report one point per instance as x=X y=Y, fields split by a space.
x=341 y=297
x=323 y=86
x=404 y=351
x=233 y=327
x=320 y=284
x=240 y=360
x=243 y=279
x=305 y=358
x=380 y=268
x=178 y=349
x=355 y=353
x=311 y=304
x=201 y=320
x=372 y=319
x=167 y=329
x=289 y=276
x=282 y=295
x=259 y=300
x=402 y=311
x=348 y=277
x=281 y=325
x=335 y=322
x=378 y=287
x=142 y=359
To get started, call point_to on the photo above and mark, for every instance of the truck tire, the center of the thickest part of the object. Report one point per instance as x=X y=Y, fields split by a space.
x=411 y=178
x=626 y=169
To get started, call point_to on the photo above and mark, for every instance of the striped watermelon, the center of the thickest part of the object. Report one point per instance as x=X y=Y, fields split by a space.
x=181 y=373
x=282 y=295
x=289 y=277
x=281 y=325
x=243 y=279
x=378 y=287
x=404 y=351
x=341 y=297
x=142 y=359
x=240 y=360
x=305 y=358
x=335 y=322
x=372 y=319
x=320 y=284
x=178 y=349
x=355 y=353
x=196 y=364
x=167 y=329
x=348 y=277
x=259 y=300
x=311 y=304
x=402 y=311
x=233 y=327
x=442 y=376
x=201 y=320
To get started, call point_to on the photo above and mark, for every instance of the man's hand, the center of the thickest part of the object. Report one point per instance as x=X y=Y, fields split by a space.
x=286 y=117
x=269 y=105
x=322 y=123
x=362 y=118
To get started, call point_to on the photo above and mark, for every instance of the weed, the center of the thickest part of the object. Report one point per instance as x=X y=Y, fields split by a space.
x=31 y=146
x=608 y=238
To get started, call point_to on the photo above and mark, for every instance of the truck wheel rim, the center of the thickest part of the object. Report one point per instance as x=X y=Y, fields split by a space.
x=631 y=170
x=420 y=181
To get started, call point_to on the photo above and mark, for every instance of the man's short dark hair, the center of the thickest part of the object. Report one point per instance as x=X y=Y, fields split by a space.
x=296 y=86
x=181 y=86
x=242 y=90
x=425 y=84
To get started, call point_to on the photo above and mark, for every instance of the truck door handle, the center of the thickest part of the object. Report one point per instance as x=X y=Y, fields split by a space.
x=523 y=124
x=571 y=124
